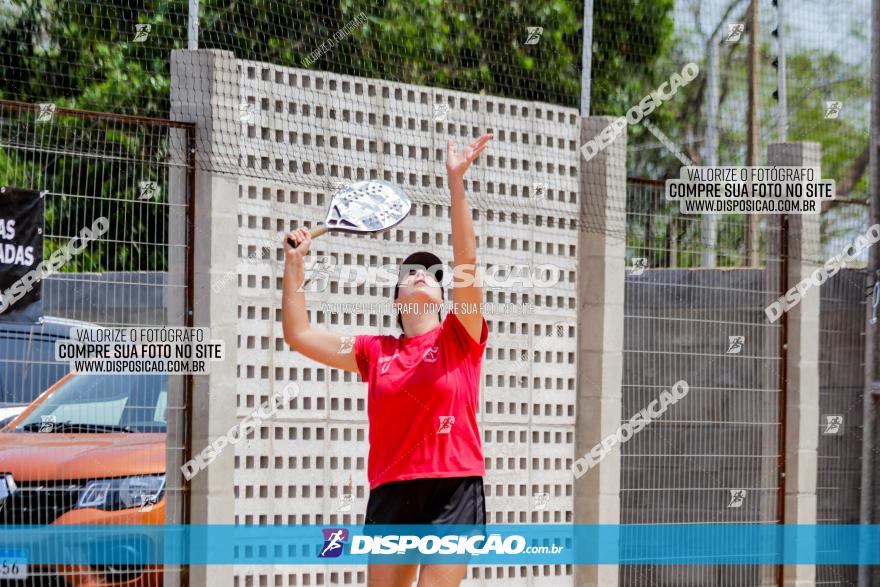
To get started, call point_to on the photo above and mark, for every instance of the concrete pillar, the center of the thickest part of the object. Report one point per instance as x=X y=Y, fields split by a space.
x=802 y=369
x=205 y=90
x=601 y=271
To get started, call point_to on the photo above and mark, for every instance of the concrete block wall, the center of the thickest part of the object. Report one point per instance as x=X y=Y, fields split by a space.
x=311 y=130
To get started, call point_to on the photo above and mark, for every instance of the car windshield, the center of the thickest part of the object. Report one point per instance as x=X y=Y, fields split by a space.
x=94 y=403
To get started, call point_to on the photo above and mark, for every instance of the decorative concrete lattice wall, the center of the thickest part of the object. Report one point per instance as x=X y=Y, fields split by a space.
x=309 y=130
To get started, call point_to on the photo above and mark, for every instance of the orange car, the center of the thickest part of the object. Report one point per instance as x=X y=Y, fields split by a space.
x=89 y=450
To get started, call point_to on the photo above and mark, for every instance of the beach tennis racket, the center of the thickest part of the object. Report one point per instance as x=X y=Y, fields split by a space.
x=364 y=207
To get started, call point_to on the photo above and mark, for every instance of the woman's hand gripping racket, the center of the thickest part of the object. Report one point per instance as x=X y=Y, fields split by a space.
x=364 y=207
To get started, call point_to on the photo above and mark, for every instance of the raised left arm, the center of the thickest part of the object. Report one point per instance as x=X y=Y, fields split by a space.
x=466 y=296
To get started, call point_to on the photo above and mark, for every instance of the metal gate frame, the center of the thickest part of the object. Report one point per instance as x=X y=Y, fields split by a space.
x=775 y=271
x=188 y=132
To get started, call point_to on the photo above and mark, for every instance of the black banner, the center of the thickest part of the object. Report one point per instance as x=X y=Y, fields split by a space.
x=21 y=248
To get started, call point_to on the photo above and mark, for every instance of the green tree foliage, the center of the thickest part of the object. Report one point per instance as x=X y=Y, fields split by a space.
x=814 y=77
x=84 y=54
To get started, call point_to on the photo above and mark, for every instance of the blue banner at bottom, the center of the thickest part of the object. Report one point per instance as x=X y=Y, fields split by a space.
x=668 y=544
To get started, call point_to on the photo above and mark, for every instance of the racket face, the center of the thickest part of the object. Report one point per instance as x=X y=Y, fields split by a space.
x=367 y=206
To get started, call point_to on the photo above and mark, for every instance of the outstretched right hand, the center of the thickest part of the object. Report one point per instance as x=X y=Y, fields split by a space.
x=303 y=240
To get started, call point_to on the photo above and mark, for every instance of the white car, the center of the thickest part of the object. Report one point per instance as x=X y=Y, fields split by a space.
x=7 y=413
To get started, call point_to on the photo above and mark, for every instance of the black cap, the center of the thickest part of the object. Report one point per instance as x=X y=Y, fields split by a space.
x=424 y=259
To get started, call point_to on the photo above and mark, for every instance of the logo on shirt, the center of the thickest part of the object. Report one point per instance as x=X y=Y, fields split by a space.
x=334 y=541
x=446 y=423
x=386 y=362
x=431 y=354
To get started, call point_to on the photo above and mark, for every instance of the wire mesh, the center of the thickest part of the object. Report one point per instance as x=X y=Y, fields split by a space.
x=714 y=456
x=323 y=93
x=118 y=428
x=842 y=385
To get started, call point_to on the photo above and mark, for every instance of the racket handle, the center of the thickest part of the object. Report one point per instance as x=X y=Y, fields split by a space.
x=316 y=231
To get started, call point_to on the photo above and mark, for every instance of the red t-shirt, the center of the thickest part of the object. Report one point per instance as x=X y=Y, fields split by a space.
x=423 y=397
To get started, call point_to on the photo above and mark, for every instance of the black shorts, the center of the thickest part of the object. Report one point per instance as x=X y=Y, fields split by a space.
x=452 y=500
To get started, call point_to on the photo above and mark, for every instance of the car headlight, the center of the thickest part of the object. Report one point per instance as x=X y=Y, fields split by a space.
x=122 y=493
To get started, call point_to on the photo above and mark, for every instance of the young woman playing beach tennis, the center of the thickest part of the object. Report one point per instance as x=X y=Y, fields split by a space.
x=425 y=461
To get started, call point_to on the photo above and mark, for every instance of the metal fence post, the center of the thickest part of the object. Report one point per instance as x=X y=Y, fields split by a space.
x=867 y=501
x=587 y=58
x=192 y=26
